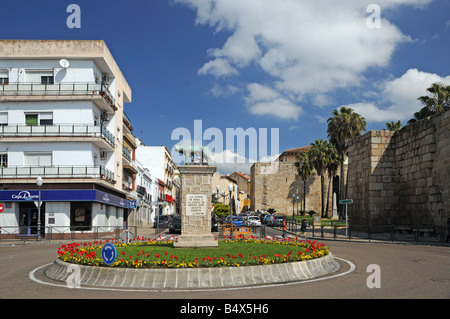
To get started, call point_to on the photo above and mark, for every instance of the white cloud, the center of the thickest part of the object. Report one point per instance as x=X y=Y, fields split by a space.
x=218 y=67
x=263 y=100
x=400 y=95
x=306 y=47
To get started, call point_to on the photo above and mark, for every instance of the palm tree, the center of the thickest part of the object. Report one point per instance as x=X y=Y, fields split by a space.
x=422 y=114
x=304 y=169
x=320 y=156
x=438 y=99
x=394 y=126
x=342 y=128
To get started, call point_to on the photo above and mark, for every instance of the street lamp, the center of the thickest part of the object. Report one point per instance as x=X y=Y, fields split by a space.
x=230 y=189
x=293 y=207
x=39 y=183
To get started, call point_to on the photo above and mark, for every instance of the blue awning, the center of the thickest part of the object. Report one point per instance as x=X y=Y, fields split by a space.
x=81 y=195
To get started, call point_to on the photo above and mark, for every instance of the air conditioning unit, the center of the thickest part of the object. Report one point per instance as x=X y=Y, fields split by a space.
x=103 y=155
x=104 y=116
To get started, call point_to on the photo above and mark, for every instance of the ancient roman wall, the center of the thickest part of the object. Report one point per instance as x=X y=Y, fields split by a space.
x=402 y=177
x=273 y=187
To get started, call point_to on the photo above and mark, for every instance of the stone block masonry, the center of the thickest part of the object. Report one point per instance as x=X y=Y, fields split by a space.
x=402 y=177
x=196 y=192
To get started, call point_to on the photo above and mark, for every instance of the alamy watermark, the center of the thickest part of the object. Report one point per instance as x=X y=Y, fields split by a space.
x=234 y=146
x=74 y=279
x=74 y=19
x=374 y=280
x=374 y=19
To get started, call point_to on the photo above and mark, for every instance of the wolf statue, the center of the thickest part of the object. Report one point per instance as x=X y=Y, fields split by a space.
x=195 y=154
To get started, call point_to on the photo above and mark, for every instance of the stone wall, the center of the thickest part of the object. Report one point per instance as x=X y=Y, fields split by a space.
x=273 y=187
x=402 y=177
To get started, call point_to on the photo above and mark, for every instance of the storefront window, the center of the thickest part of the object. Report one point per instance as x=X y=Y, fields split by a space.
x=80 y=216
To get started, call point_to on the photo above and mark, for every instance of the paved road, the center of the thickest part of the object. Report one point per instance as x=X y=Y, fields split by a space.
x=407 y=271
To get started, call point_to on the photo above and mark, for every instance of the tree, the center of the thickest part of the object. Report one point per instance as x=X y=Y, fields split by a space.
x=342 y=128
x=394 y=126
x=438 y=99
x=422 y=114
x=221 y=210
x=304 y=169
x=319 y=157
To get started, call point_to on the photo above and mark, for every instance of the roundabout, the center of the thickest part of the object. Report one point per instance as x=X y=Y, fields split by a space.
x=311 y=261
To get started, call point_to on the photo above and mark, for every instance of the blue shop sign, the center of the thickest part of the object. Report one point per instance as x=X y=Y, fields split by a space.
x=87 y=195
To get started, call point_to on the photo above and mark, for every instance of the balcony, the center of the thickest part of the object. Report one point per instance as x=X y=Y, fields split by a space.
x=85 y=172
x=12 y=133
x=59 y=91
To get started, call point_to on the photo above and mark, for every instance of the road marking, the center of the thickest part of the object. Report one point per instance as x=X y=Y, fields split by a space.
x=32 y=276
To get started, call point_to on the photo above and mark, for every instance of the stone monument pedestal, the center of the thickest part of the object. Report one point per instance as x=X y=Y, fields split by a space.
x=196 y=193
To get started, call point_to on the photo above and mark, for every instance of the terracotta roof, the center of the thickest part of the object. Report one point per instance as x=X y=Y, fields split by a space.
x=297 y=150
x=243 y=175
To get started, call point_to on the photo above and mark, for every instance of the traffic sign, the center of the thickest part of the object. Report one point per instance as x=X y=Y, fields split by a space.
x=109 y=254
x=2 y=208
x=346 y=201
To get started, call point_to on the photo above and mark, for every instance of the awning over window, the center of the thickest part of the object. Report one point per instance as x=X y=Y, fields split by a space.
x=169 y=198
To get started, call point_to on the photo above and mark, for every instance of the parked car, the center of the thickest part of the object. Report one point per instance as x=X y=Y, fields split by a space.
x=161 y=221
x=237 y=221
x=267 y=219
x=261 y=217
x=252 y=221
x=175 y=225
x=276 y=221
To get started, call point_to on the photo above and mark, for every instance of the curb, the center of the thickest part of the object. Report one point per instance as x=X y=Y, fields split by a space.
x=223 y=277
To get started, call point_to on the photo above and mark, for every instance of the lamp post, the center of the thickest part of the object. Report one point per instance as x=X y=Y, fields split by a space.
x=293 y=208
x=39 y=183
x=230 y=189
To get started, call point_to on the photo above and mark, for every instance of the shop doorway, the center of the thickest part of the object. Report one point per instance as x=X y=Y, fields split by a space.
x=28 y=219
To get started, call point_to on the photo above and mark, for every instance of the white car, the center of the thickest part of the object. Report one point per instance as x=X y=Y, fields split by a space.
x=252 y=221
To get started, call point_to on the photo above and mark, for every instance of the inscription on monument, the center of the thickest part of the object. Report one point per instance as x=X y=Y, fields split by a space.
x=195 y=204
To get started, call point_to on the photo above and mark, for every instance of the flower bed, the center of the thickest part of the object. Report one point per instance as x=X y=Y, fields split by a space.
x=147 y=253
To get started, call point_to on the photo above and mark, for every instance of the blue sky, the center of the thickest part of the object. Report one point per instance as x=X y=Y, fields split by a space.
x=283 y=64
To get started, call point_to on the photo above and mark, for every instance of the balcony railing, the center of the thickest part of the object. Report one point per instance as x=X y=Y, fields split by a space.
x=24 y=89
x=94 y=172
x=126 y=153
x=58 y=130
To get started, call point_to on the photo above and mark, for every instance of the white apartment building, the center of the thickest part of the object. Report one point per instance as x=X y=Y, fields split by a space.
x=62 y=118
x=158 y=160
x=144 y=188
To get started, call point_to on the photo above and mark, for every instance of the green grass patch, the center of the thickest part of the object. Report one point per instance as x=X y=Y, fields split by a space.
x=162 y=254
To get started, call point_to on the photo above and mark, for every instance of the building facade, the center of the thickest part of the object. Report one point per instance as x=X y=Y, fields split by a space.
x=62 y=118
x=158 y=160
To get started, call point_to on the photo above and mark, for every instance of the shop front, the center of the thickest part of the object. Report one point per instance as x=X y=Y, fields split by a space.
x=62 y=211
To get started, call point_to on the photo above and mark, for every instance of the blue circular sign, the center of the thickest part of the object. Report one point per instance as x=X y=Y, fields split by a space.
x=109 y=254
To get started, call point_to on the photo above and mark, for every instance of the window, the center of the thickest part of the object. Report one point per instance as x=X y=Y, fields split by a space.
x=47 y=80
x=41 y=119
x=4 y=76
x=31 y=119
x=38 y=159
x=46 y=119
x=80 y=216
x=3 y=118
x=3 y=160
